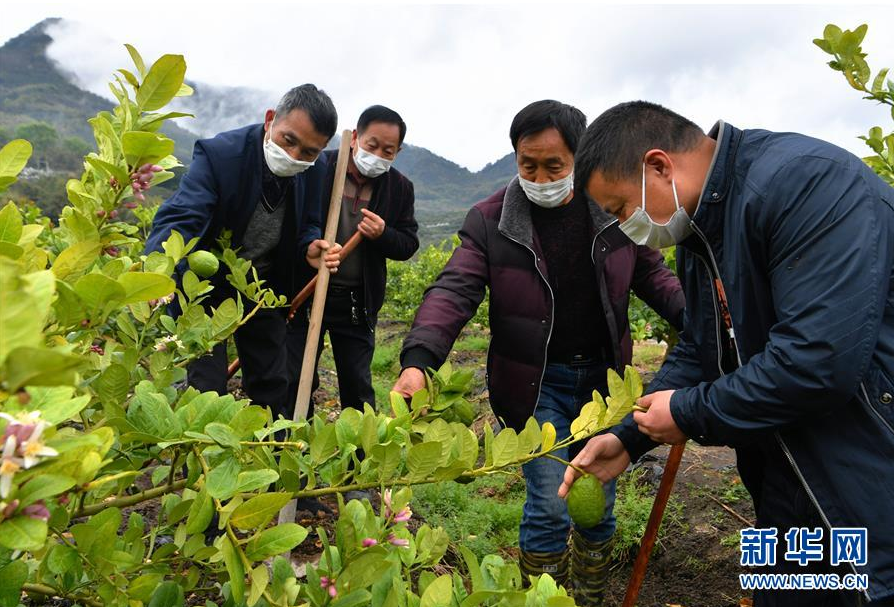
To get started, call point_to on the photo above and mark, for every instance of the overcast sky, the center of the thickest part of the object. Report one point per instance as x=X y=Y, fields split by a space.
x=459 y=73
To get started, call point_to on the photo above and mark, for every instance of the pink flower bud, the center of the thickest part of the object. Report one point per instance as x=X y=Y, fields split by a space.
x=85 y=323
x=10 y=508
x=369 y=542
x=404 y=515
x=396 y=541
x=140 y=197
x=101 y=213
x=144 y=168
x=332 y=591
x=113 y=214
x=130 y=205
x=97 y=349
x=112 y=251
x=37 y=510
x=156 y=168
x=324 y=581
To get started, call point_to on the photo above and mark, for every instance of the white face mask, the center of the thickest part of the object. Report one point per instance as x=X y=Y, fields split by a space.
x=369 y=164
x=640 y=228
x=550 y=194
x=279 y=161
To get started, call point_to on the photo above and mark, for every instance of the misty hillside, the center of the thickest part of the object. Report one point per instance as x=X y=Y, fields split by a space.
x=40 y=101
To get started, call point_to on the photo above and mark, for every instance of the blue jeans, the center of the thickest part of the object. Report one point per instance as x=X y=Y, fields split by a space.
x=545 y=522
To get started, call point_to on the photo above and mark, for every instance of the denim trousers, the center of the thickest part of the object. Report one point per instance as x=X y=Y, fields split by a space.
x=545 y=524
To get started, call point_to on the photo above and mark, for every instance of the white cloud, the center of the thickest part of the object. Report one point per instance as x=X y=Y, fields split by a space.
x=458 y=73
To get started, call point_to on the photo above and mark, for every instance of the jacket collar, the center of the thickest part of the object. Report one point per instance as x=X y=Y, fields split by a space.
x=515 y=219
x=720 y=173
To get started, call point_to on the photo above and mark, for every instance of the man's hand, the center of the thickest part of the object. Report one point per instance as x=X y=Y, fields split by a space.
x=372 y=225
x=411 y=380
x=315 y=252
x=657 y=422
x=603 y=456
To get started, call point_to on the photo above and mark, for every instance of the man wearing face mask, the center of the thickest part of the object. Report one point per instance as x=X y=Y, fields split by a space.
x=559 y=273
x=378 y=202
x=786 y=250
x=263 y=184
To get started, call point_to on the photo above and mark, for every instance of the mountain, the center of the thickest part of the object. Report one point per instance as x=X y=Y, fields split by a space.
x=36 y=89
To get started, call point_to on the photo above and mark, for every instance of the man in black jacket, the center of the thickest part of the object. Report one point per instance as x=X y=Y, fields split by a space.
x=378 y=203
x=263 y=183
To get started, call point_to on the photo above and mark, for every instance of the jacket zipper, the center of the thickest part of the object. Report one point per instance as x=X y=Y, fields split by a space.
x=606 y=302
x=779 y=439
x=552 y=315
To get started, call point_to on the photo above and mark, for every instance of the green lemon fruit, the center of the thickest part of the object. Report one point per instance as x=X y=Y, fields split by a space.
x=586 y=502
x=203 y=263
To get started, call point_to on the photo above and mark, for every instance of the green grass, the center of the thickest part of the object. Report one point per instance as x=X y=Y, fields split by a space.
x=648 y=356
x=633 y=504
x=472 y=343
x=483 y=515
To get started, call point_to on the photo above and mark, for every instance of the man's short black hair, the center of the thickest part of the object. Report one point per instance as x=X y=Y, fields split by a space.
x=380 y=113
x=617 y=140
x=541 y=115
x=316 y=103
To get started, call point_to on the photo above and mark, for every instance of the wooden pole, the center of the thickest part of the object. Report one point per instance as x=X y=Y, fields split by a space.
x=305 y=293
x=651 y=534
x=302 y=402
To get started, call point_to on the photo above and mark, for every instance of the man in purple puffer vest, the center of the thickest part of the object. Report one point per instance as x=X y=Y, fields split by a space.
x=560 y=273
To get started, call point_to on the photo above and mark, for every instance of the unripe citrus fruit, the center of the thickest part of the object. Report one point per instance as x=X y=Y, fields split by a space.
x=586 y=501
x=203 y=263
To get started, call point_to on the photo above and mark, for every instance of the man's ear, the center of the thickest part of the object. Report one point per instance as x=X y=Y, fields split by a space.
x=659 y=163
x=354 y=136
x=268 y=119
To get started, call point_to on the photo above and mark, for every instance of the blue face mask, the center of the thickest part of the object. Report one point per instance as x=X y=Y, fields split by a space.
x=642 y=230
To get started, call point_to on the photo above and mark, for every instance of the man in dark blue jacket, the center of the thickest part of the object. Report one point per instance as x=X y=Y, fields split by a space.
x=786 y=255
x=262 y=184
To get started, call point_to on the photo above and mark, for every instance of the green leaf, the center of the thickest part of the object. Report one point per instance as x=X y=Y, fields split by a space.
x=222 y=479
x=141 y=147
x=98 y=291
x=276 y=540
x=877 y=84
x=12 y=576
x=39 y=367
x=323 y=445
x=234 y=569
x=145 y=286
x=10 y=223
x=223 y=435
x=200 y=513
x=13 y=158
x=505 y=447
x=168 y=594
x=248 y=421
x=42 y=487
x=259 y=580
x=439 y=593
x=252 y=480
x=225 y=319
x=162 y=82
x=113 y=384
x=108 y=169
x=259 y=510
x=633 y=382
x=62 y=558
x=137 y=60
x=23 y=533
x=24 y=306
x=75 y=259
x=422 y=459
x=363 y=571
